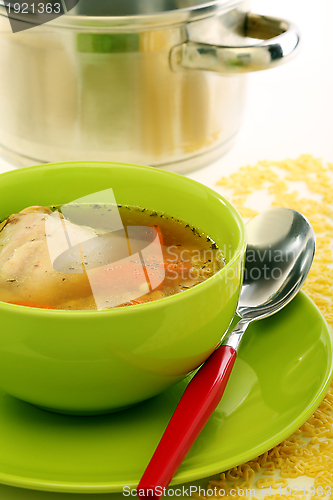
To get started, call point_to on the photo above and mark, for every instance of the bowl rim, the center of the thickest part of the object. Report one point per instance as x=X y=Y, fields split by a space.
x=238 y=254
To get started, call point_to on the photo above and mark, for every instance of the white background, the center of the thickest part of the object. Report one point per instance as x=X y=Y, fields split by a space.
x=289 y=112
x=289 y=108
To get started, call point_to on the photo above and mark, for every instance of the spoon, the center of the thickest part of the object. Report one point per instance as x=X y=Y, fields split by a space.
x=280 y=250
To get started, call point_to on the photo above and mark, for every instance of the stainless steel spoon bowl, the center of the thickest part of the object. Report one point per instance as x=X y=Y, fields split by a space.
x=280 y=251
x=281 y=246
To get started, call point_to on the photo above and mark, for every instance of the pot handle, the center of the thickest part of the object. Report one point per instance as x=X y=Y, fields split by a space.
x=280 y=39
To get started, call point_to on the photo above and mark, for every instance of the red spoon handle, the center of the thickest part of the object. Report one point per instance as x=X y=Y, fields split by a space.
x=198 y=402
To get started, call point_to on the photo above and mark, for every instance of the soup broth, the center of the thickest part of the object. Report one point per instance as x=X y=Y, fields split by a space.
x=78 y=260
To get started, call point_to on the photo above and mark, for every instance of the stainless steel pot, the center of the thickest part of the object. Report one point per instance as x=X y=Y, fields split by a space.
x=156 y=82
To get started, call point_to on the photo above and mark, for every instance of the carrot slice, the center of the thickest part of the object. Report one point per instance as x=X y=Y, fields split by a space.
x=32 y=304
x=123 y=274
x=159 y=232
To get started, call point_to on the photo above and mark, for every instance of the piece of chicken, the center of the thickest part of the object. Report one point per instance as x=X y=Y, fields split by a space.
x=47 y=261
x=27 y=275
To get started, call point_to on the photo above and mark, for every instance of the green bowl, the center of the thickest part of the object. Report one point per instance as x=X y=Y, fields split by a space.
x=91 y=362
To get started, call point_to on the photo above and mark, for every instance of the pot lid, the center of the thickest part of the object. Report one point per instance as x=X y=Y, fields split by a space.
x=125 y=8
x=125 y=15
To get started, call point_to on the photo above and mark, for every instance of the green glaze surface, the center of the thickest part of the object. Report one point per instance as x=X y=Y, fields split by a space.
x=282 y=373
x=98 y=361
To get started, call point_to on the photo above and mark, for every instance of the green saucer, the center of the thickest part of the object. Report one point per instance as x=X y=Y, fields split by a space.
x=281 y=375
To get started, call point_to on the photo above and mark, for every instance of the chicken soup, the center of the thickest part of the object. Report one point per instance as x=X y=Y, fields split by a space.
x=100 y=256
